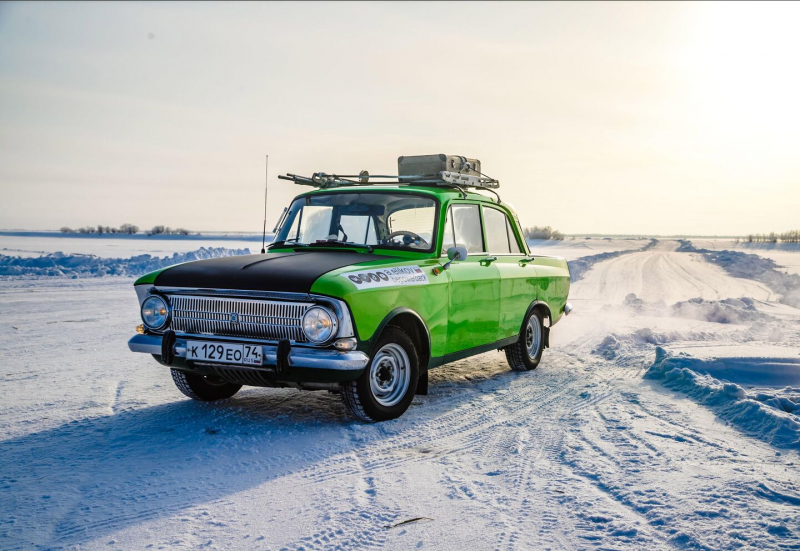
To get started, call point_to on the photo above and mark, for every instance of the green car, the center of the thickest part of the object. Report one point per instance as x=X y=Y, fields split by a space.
x=364 y=289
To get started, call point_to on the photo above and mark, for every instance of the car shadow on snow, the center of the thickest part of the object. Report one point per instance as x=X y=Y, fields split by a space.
x=91 y=477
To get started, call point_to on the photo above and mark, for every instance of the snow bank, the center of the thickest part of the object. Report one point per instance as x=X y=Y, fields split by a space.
x=752 y=266
x=80 y=265
x=771 y=414
x=579 y=267
x=738 y=311
x=616 y=346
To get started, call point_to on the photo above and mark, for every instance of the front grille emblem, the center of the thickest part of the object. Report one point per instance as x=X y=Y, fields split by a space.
x=234 y=317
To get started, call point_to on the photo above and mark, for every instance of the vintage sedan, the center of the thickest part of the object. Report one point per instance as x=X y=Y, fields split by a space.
x=364 y=289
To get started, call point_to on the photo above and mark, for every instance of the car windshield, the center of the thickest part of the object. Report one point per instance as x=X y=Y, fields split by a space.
x=391 y=220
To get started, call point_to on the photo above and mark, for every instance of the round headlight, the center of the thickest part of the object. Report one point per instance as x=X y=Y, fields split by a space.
x=155 y=312
x=319 y=325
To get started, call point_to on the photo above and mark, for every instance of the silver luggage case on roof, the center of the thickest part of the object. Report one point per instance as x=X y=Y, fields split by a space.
x=433 y=165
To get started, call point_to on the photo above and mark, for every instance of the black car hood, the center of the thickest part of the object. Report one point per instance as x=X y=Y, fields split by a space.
x=281 y=272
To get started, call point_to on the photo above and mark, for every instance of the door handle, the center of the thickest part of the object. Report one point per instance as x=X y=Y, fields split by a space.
x=488 y=260
x=526 y=260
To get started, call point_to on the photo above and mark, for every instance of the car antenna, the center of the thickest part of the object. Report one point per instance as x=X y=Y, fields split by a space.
x=266 y=185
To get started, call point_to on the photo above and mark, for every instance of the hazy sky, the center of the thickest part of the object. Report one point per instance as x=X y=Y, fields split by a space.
x=617 y=118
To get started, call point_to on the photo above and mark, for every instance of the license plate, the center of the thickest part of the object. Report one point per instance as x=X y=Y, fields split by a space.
x=220 y=352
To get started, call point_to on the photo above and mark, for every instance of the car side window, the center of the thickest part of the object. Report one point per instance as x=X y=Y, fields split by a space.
x=467 y=227
x=496 y=227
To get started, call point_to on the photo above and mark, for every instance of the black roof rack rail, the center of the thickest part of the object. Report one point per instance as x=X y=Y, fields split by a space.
x=446 y=179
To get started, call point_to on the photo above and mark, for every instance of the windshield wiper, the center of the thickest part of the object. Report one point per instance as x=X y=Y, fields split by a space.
x=341 y=244
x=286 y=242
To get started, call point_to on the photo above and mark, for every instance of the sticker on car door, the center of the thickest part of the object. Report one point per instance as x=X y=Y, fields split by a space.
x=388 y=277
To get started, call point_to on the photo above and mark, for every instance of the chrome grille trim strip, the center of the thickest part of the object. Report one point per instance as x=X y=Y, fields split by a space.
x=346 y=326
x=237 y=317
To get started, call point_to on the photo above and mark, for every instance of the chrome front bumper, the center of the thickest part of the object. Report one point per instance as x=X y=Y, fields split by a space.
x=312 y=358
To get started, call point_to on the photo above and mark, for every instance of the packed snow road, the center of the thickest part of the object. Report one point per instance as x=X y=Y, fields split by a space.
x=99 y=450
x=661 y=273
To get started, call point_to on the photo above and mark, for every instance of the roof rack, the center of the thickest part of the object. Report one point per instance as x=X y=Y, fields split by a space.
x=447 y=179
x=460 y=173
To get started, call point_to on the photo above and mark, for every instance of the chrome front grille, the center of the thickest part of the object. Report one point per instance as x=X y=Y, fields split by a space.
x=234 y=317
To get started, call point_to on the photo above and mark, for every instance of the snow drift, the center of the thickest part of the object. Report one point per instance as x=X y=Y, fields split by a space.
x=752 y=266
x=79 y=265
x=771 y=414
x=738 y=311
x=579 y=267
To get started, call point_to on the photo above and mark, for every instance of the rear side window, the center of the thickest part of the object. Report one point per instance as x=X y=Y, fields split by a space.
x=467 y=227
x=499 y=232
x=496 y=231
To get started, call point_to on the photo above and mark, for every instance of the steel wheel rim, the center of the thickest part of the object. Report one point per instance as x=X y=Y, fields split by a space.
x=533 y=337
x=390 y=375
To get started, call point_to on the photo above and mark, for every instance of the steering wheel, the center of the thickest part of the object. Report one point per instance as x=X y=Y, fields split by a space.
x=413 y=236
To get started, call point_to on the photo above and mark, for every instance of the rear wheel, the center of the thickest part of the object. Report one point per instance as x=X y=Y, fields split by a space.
x=386 y=387
x=526 y=353
x=206 y=388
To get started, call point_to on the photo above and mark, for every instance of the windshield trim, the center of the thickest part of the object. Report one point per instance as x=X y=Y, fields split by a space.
x=435 y=234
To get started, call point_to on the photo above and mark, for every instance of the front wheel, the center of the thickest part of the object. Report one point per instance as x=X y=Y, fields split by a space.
x=386 y=387
x=205 y=388
x=526 y=353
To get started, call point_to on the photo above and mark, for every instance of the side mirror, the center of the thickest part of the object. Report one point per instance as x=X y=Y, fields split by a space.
x=453 y=254
x=456 y=253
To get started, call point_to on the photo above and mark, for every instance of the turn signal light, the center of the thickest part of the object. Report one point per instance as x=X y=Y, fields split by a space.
x=345 y=344
x=140 y=329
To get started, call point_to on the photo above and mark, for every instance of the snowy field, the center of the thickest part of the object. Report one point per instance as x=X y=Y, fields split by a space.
x=787 y=255
x=665 y=420
x=34 y=244
x=577 y=247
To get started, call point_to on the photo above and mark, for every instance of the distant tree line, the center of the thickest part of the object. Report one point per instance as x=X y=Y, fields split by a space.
x=126 y=229
x=166 y=230
x=792 y=236
x=542 y=233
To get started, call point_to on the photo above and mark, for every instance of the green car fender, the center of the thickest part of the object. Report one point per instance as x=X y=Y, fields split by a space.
x=373 y=308
x=426 y=307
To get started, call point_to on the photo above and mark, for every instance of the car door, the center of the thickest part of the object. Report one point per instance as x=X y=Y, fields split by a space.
x=518 y=285
x=474 y=290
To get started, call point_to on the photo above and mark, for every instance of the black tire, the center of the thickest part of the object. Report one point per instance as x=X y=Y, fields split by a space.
x=395 y=383
x=203 y=388
x=518 y=355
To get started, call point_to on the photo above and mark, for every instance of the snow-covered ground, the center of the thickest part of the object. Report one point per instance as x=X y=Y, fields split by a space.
x=664 y=274
x=786 y=255
x=654 y=421
x=572 y=248
x=34 y=244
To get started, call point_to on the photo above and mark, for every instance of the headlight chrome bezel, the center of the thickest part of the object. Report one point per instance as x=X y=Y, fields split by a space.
x=334 y=327
x=167 y=314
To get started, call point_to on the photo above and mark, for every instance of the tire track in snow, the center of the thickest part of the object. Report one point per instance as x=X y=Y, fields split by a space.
x=663 y=274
